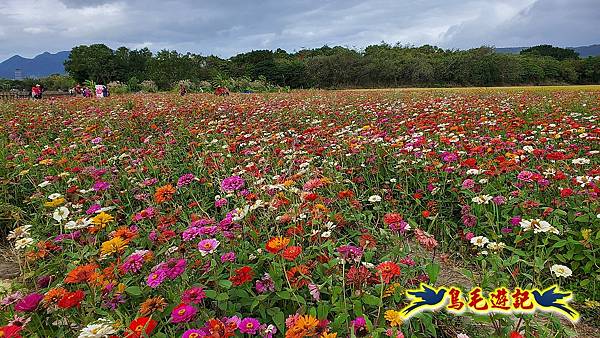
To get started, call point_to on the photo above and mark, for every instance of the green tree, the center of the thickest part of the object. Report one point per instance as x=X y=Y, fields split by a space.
x=94 y=62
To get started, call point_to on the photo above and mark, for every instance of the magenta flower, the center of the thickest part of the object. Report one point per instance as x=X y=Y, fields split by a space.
x=185 y=180
x=101 y=186
x=194 y=333
x=350 y=252
x=92 y=209
x=156 y=278
x=232 y=183
x=193 y=295
x=228 y=257
x=29 y=303
x=183 y=313
x=249 y=325
x=174 y=267
x=208 y=246
x=220 y=202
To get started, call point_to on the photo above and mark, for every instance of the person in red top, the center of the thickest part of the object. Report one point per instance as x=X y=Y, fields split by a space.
x=36 y=91
x=222 y=91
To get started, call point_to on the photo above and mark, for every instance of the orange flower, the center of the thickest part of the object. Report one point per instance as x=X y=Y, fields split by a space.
x=164 y=193
x=305 y=326
x=151 y=305
x=297 y=276
x=290 y=253
x=388 y=270
x=53 y=295
x=81 y=273
x=276 y=244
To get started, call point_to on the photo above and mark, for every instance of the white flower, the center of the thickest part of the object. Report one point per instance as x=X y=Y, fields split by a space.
x=462 y=335
x=54 y=196
x=584 y=180
x=482 y=199
x=375 y=198
x=581 y=160
x=537 y=225
x=496 y=246
x=561 y=270
x=23 y=243
x=474 y=172
x=483 y=181
x=22 y=231
x=78 y=224
x=44 y=184
x=480 y=241
x=101 y=329
x=326 y=234
x=60 y=214
x=528 y=149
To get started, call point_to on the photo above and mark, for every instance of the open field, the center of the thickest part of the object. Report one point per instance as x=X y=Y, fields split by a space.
x=303 y=214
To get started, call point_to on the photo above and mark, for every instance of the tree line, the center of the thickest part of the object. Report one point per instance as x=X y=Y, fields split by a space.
x=376 y=66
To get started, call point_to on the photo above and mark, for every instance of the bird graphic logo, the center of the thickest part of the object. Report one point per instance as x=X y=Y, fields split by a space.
x=424 y=298
x=551 y=299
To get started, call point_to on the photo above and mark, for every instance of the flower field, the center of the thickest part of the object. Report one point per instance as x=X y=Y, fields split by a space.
x=305 y=214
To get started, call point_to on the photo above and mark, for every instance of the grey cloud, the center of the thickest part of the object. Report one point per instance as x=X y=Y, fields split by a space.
x=228 y=27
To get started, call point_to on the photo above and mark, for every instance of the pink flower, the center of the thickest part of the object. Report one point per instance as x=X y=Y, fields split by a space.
x=193 y=295
x=183 y=313
x=29 y=303
x=208 y=246
x=249 y=325
x=156 y=278
x=185 y=180
x=232 y=183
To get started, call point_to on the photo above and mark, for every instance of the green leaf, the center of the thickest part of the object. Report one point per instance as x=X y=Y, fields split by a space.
x=225 y=284
x=222 y=296
x=583 y=218
x=212 y=294
x=433 y=270
x=371 y=300
x=134 y=290
x=284 y=294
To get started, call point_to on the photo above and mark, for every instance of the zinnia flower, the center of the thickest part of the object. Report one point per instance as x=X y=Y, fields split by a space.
x=249 y=325
x=208 y=246
x=183 y=313
x=29 y=303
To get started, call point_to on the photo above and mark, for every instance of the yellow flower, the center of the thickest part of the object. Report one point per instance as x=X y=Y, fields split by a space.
x=288 y=183
x=55 y=202
x=328 y=335
x=394 y=317
x=102 y=219
x=23 y=172
x=586 y=234
x=48 y=161
x=114 y=245
x=391 y=290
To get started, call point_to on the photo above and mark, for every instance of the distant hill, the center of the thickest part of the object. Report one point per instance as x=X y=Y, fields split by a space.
x=42 y=65
x=584 y=51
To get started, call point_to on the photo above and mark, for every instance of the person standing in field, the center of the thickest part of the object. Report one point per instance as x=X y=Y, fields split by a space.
x=99 y=91
x=182 y=89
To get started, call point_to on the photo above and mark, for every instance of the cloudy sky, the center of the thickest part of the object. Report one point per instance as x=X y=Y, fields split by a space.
x=227 y=27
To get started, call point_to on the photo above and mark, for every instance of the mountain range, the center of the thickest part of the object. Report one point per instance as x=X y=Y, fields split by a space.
x=584 y=51
x=42 y=65
x=47 y=64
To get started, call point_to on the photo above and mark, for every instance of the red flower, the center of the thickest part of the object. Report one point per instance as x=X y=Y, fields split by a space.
x=392 y=218
x=10 y=331
x=515 y=334
x=141 y=325
x=426 y=213
x=290 y=253
x=71 y=299
x=566 y=192
x=388 y=270
x=242 y=275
